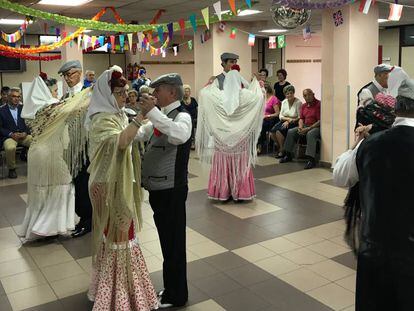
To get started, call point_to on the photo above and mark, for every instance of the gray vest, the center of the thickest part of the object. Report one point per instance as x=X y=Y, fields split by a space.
x=165 y=166
x=373 y=89
x=220 y=78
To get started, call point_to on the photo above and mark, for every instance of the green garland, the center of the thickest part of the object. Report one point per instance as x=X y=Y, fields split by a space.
x=96 y=25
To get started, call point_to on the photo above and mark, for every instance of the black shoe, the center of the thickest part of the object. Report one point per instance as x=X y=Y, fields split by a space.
x=310 y=164
x=280 y=155
x=285 y=159
x=80 y=232
x=23 y=156
x=12 y=174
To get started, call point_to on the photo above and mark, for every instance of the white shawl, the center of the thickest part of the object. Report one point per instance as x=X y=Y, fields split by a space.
x=38 y=97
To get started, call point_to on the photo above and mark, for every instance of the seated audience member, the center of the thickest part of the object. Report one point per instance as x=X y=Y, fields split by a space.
x=13 y=130
x=281 y=84
x=5 y=91
x=141 y=80
x=378 y=85
x=190 y=104
x=309 y=124
x=263 y=75
x=144 y=89
x=133 y=101
x=89 y=78
x=271 y=116
x=288 y=116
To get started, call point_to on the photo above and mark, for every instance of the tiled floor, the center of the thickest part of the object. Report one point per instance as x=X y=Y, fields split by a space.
x=283 y=251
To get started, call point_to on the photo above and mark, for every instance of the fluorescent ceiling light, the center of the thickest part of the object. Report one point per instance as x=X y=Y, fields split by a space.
x=64 y=2
x=249 y=12
x=87 y=30
x=273 y=30
x=382 y=20
x=6 y=21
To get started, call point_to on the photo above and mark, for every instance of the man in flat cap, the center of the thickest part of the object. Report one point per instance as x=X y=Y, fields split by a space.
x=227 y=61
x=378 y=85
x=165 y=176
x=71 y=72
x=383 y=164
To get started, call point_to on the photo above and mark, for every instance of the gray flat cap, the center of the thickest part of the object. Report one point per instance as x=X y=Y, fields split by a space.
x=406 y=89
x=69 y=65
x=226 y=56
x=382 y=68
x=169 y=78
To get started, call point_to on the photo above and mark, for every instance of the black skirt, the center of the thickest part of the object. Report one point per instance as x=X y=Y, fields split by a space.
x=279 y=128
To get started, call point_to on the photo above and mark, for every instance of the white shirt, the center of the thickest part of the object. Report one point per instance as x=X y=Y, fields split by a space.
x=76 y=89
x=178 y=130
x=290 y=112
x=366 y=93
x=345 y=173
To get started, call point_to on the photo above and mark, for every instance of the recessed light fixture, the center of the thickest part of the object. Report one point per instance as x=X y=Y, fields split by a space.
x=87 y=30
x=64 y=2
x=249 y=12
x=7 y=21
x=382 y=20
x=273 y=30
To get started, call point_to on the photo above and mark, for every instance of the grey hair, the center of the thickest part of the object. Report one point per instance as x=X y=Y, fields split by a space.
x=288 y=88
x=89 y=71
x=144 y=89
x=179 y=92
x=404 y=106
x=15 y=89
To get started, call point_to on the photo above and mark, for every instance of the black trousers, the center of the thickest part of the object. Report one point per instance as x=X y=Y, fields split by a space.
x=170 y=219
x=83 y=205
x=384 y=285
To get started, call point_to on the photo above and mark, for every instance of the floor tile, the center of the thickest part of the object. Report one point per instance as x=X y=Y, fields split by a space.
x=226 y=261
x=194 y=237
x=208 y=305
x=22 y=281
x=347 y=259
x=71 y=286
x=62 y=271
x=200 y=269
x=153 y=264
x=50 y=306
x=348 y=283
x=304 y=238
x=333 y=296
x=249 y=274
x=327 y=231
x=147 y=235
x=328 y=249
x=331 y=270
x=154 y=247
x=16 y=266
x=303 y=279
x=79 y=247
x=351 y=308
x=12 y=254
x=233 y=241
x=254 y=252
x=303 y=256
x=5 y=304
x=31 y=297
x=206 y=249
x=248 y=209
x=216 y=285
x=76 y=302
x=86 y=264
x=280 y=245
x=242 y=300
x=277 y=265
x=52 y=258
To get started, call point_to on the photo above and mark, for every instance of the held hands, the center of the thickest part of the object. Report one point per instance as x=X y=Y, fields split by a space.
x=146 y=103
x=285 y=124
x=303 y=131
x=361 y=132
x=18 y=136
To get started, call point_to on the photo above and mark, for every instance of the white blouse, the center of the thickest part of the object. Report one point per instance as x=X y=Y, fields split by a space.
x=290 y=112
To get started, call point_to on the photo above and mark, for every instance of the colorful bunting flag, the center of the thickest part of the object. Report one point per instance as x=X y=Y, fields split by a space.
x=364 y=6
x=134 y=48
x=101 y=40
x=233 y=33
x=272 y=42
x=160 y=30
x=93 y=39
x=170 y=27
x=130 y=41
x=307 y=33
x=193 y=22
x=395 y=12
x=122 y=41
x=281 y=42
x=164 y=53
x=57 y=31
x=112 y=38
x=232 y=4
x=251 y=40
x=217 y=9
x=85 y=41
x=79 y=41
x=206 y=16
x=181 y=22
x=249 y=3
x=190 y=45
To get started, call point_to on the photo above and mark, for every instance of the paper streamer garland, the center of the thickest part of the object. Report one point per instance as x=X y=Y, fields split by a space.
x=30 y=57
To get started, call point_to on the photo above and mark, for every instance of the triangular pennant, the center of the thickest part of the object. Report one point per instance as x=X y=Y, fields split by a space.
x=217 y=9
x=233 y=33
x=181 y=22
x=395 y=12
x=130 y=41
x=93 y=39
x=85 y=41
x=64 y=34
x=164 y=53
x=190 y=45
x=175 y=48
x=206 y=16
x=57 y=31
x=112 y=38
x=364 y=6
x=251 y=40
x=134 y=48
x=121 y=41
x=79 y=41
x=71 y=41
x=281 y=42
x=249 y=3
x=232 y=4
x=45 y=27
x=160 y=30
x=193 y=22
x=170 y=27
x=101 y=40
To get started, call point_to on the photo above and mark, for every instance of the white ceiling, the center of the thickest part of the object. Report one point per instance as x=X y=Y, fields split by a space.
x=144 y=10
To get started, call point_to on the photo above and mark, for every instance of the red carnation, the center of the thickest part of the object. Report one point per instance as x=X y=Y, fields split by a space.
x=235 y=67
x=116 y=75
x=43 y=75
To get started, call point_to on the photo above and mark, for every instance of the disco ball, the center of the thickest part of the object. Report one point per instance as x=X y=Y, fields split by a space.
x=289 y=18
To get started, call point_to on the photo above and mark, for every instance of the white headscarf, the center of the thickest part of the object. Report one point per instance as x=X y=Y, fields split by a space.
x=38 y=97
x=102 y=99
x=396 y=77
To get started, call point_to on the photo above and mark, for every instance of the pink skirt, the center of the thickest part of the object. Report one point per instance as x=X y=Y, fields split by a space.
x=222 y=186
x=110 y=288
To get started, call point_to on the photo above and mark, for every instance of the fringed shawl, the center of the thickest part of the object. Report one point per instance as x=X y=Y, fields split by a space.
x=114 y=182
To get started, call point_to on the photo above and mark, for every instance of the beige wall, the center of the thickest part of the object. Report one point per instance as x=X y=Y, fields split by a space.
x=390 y=41
x=274 y=58
x=407 y=60
x=304 y=75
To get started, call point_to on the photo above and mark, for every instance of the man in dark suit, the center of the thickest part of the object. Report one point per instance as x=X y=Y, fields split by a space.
x=71 y=72
x=13 y=130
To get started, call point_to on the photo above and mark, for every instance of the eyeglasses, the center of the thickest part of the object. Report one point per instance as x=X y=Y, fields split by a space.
x=68 y=74
x=15 y=96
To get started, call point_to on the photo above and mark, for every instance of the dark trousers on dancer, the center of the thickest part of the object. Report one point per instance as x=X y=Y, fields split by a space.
x=83 y=205
x=384 y=285
x=170 y=219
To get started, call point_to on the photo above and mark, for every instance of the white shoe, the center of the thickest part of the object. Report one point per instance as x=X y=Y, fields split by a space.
x=164 y=305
